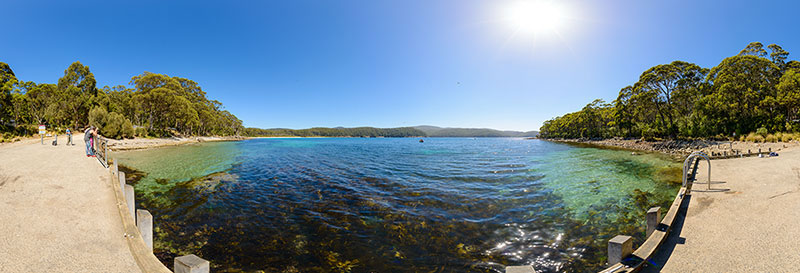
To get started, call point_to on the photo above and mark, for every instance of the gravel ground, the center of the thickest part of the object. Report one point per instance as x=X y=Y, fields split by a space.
x=58 y=212
x=747 y=222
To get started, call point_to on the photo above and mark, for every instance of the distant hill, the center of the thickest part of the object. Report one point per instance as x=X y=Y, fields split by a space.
x=336 y=132
x=433 y=131
x=417 y=131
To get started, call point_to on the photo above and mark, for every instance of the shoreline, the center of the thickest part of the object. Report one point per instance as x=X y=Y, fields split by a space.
x=149 y=143
x=680 y=148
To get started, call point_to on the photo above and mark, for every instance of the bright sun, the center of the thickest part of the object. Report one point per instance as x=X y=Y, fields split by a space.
x=535 y=17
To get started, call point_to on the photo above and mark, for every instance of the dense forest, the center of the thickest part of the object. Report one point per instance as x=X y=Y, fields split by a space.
x=756 y=91
x=336 y=132
x=158 y=105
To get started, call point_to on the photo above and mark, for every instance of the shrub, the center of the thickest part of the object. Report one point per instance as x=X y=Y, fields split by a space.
x=787 y=137
x=771 y=138
x=742 y=138
x=98 y=117
x=751 y=137
x=762 y=131
x=140 y=132
x=7 y=136
x=127 y=129
x=758 y=138
x=114 y=124
x=778 y=136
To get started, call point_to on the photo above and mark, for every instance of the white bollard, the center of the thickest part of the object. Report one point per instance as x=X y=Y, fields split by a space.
x=191 y=264
x=131 y=202
x=619 y=247
x=144 y=221
x=653 y=217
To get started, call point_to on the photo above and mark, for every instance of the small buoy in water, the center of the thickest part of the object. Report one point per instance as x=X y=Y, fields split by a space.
x=421 y=141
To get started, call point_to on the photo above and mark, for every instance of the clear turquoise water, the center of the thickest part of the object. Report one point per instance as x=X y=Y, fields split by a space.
x=396 y=205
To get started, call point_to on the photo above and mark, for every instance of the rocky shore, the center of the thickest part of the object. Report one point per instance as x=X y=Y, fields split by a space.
x=684 y=147
x=146 y=143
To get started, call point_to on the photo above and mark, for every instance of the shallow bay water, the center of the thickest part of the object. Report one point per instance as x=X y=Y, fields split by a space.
x=394 y=204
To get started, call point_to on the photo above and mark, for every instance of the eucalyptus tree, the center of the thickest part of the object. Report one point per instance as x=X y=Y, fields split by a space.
x=661 y=84
x=788 y=96
x=7 y=81
x=76 y=91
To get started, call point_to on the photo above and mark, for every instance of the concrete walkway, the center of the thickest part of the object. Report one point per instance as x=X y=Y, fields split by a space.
x=747 y=222
x=58 y=212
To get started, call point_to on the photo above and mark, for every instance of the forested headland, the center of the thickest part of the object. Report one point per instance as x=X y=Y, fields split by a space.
x=336 y=132
x=416 y=131
x=157 y=106
x=754 y=93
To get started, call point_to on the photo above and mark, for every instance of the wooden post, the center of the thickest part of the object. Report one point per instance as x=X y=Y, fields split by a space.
x=653 y=218
x=191 y=264
x=618 y=248
x=144 y=221
x=129 y=199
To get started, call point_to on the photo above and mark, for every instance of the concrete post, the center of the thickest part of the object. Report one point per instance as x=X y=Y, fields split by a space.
x=653 y=217
x=116 y=167
x=520 y=269
x=129 y=199
x=191 y=264
x=122 y=182
x=618 y=247
x=144 y=221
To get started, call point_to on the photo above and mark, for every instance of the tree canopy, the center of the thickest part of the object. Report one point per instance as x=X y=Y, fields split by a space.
x=157 y=105
x=755 y=89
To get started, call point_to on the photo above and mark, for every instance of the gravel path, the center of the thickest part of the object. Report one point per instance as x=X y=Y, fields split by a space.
x=747 y=222
x=58 y=211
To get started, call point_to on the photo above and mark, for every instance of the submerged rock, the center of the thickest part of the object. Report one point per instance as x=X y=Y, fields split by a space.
x=210 y=182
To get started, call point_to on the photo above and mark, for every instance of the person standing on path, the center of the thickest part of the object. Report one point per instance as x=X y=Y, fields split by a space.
x=69 y=137
x=88 y=135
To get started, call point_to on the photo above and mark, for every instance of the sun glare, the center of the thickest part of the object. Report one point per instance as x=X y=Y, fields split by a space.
x=535 y=17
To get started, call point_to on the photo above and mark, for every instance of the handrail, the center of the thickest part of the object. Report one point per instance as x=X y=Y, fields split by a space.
x=101 y=150
x=697 y=154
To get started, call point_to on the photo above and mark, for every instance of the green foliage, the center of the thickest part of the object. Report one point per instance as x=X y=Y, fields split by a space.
x=140 y=132
x=98 y=117
x=744 y=93
x=114 y=126
x=127 y=129
x=165 y=105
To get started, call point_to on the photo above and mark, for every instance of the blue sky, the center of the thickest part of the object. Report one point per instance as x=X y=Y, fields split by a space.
x=386 y=63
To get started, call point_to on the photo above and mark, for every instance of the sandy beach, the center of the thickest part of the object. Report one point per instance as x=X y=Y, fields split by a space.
x=147 y=143
x=58 y=211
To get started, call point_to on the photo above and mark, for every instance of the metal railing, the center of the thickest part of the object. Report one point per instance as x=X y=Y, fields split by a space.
x=689 y=160
x=101 y=150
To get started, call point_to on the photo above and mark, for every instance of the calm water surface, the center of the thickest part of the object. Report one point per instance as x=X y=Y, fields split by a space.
x=394 y=204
